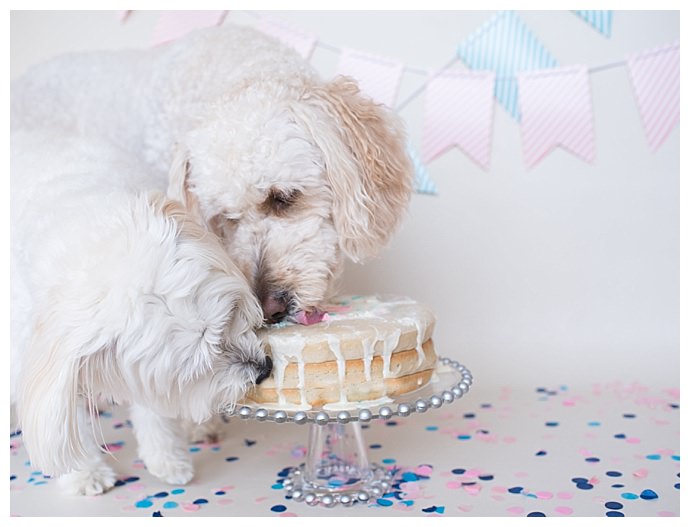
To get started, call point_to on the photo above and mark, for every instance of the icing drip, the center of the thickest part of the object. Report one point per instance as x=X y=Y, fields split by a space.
x=334 y=344
x=390 y=342
x=288 y=348
x=369 y=348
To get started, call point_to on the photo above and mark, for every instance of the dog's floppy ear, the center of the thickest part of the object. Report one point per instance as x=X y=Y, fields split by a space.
x=47 y=402
x=178 y=182
x=367 y=165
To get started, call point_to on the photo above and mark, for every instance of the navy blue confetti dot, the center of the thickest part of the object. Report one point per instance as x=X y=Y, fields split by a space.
x=629 y=416
x=200 y=501
x=619 y=436
x=592 y=460
x=486 y=405
x=677 y=486
x=486 y=477
x=365 y=427
x=468 y=483
x=551 y=423
x=119 y=483
x=541 y=390
x=231 y=458
x=391 y=423
x=157 y=514
x=12 y=476
x=585 y=486
x=616 y=514
x=617 y=486
x=284 y=473
x=541 y=453
x=131 y=479
x=648 y=494
x=536 y=514
x=160 y=495
x=613 y=505
x=430 y=509
x=458 y=471
x=674 y=405
x=469 y=416
x=220 y=493
x=515 y=490
x=249 y=442
x=614 y=474
x=579 y=480
x=279 y=508
x=375 y=446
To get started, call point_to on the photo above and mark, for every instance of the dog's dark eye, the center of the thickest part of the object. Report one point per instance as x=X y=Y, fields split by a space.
x=280 y=201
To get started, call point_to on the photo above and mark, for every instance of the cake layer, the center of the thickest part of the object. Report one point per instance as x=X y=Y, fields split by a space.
x=316 y=384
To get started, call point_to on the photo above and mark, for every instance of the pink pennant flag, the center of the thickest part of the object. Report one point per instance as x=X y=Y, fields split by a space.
x=289 y=35
x=378 y=77
x=459 y=112
x=655 y=76
x=556 y=109
x=172 y=25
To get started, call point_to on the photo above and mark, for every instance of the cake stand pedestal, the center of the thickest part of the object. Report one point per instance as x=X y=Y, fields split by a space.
x=336 y=470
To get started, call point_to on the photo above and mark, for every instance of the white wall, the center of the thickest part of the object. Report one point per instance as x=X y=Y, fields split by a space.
x=566 y=273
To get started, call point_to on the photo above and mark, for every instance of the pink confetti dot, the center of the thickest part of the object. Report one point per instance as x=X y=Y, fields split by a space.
x=225 y=501
x=633 y=440
x=424 y=470
x=260 y=499
x=288 y=514
x=544 y=495
x=667 y=513
x=564 y=496
x=515 y=510
x=453 y=485
x=473 y=473
x=135 y=487
x=465 y=508
x=499 y=490
x=190 y=507
x=472 y=490
x=641 y=473
x=563 y=510
x=509 y=439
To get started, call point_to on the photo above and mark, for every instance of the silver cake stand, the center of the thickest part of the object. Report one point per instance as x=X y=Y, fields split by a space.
x=336 y=469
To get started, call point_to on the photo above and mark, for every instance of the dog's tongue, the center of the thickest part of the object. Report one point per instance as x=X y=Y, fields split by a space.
x=307 y=318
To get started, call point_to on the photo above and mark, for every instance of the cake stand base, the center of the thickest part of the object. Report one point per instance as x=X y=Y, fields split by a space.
x=336 y=470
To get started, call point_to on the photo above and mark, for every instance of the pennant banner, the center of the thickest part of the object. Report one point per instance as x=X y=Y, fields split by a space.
x=422 y=180
x=599 y=20
x=655 y=76
x=505 y=45
x=172 y=25
x=556 y=108
x=378 y=77
x=289 y=35
x=459 y=112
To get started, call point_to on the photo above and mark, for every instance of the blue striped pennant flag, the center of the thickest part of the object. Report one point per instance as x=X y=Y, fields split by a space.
x=599 y=20
x=422 y=181
x=507 y=46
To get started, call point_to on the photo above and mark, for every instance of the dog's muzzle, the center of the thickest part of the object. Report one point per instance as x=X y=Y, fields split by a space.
x=265 y=370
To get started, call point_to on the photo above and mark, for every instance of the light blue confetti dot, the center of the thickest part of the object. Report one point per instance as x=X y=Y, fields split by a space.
x=594 y=423
x=388 y=461
x=432 y=428
x=170 y=505
x=143 y=504
x=277 y=486
x=40 y=483
x=464 y=437
x=675 y=458
x=194 y=449
x=629 y=496
x=176 y=491
x=654 y=456
x=384 y=503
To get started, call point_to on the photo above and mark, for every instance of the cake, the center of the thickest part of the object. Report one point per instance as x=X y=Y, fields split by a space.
x=367 y=349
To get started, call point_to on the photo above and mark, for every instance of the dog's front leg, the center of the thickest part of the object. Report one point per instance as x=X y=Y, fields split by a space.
x=95 y=476
x=162 y=446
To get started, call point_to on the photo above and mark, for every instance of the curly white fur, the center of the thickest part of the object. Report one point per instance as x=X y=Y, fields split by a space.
x=118 y=294
x=294 y=173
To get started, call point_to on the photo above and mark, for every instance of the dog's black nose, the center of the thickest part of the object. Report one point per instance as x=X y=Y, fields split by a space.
x=265 y=370
x=275 y=306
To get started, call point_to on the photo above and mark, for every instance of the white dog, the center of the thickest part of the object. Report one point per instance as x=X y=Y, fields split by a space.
x=293 y=173
x=118 y=294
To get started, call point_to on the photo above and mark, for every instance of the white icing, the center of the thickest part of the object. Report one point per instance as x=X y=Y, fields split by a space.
x=369 y=348
x=291 y=347
x=359 y=404
x=390 y=342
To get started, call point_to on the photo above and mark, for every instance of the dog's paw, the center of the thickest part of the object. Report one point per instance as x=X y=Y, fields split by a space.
x=176 y=470
x=211 y=431
x=88 y=482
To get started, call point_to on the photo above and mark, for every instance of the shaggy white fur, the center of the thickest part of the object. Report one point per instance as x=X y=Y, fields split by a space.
x=293 y=173
x=117 y=294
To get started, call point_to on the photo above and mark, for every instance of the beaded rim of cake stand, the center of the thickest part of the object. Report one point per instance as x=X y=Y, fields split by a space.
x=364 y=415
